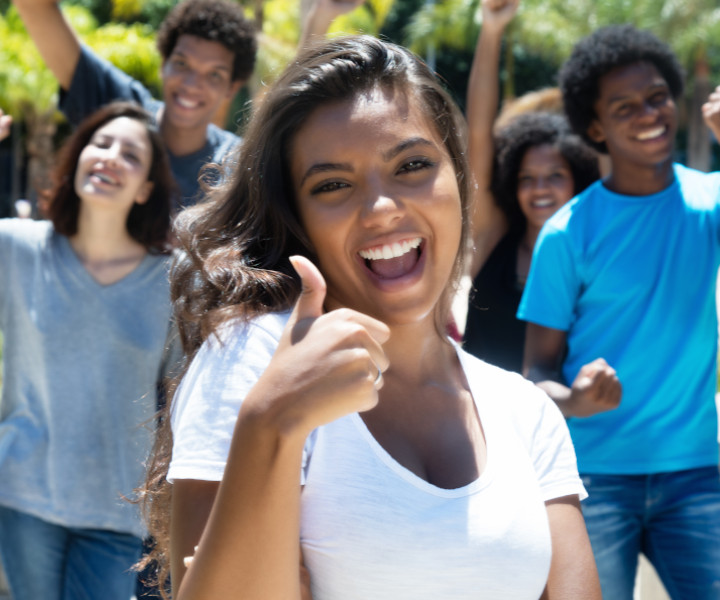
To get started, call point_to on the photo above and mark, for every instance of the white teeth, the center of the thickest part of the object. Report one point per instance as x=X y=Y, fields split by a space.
x=653 y=133
x=185 y=103
x=542 y=203
x=389 y=251
x=104 y=178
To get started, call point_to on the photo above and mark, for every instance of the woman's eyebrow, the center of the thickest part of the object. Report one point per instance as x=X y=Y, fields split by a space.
x=406 y=144
x=324 y=167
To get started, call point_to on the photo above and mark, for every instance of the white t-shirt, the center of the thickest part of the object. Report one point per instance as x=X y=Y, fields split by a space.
x=370 y=528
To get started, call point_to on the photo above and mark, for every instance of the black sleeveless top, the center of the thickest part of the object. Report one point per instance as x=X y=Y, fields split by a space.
x=492 y=332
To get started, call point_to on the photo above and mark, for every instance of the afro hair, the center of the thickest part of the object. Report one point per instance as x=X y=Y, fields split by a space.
x=598 y=54
x=220 y=21
x=528 y=131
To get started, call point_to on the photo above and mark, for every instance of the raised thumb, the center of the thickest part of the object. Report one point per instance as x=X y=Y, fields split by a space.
x=312 y=295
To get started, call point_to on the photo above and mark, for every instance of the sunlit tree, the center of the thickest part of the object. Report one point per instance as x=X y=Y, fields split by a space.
x=29 y=91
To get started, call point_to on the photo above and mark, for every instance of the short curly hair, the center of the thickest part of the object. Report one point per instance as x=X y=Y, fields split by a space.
x=520 y=135
x=598 y=54
x=220 y=21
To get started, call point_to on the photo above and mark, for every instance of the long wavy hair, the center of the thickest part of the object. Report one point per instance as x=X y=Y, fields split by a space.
x=234 y=253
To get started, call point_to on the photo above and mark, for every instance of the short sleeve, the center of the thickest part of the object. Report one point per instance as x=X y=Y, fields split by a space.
x=97 y=82
x=553 y=284
x=553 y=454
x=208 y=400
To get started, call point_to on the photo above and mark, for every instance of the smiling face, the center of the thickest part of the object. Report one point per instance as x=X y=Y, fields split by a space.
x=545 y=183
x=113 y=168
x=379 y=200
x=636 y=117
x=196 y=80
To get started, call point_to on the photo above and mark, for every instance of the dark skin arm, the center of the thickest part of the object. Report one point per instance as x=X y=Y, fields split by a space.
x=595 y=389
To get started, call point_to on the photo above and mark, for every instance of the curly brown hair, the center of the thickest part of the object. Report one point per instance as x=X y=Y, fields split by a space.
x=220 y=21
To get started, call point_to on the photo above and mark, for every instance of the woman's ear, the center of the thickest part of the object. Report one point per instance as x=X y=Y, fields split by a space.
x=144 y=192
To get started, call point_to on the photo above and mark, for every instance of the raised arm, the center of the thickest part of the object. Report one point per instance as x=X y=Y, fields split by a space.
x=595 y=389
x=711 y=112
x=321 y=15
x=488 y=221
x=53 y=36
x=5 y=124
x=250 y=546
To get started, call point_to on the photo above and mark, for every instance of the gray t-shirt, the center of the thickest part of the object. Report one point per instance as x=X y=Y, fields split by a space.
x=81 y=365
x=97 y=82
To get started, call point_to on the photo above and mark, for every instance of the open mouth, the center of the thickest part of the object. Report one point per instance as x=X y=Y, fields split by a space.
x=544 y=203
x=186 y=102
x=391 y=261
x=103 y=178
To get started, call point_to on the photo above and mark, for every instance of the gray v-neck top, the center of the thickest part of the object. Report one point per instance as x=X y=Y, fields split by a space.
x=81 y=363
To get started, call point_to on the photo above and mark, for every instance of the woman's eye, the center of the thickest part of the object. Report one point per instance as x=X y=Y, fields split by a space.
x=328 y=187
x=416 y=165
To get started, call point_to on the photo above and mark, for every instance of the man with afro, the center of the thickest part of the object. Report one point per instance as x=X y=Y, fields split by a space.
x=622 y=293
x=208 y=52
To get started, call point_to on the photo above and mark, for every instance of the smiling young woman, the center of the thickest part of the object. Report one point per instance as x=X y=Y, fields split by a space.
x=85 y=319
x=327 y=440
x=525 y=171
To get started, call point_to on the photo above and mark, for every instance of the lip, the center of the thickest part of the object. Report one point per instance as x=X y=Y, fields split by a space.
x=186 y=103
x=104 y=178
x=398 y=283
x=543 y=204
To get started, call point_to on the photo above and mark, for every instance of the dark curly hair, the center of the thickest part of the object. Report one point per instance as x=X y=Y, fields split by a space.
x=598 y=54
x=220 y=21
x=528 y=131
x=148 y=223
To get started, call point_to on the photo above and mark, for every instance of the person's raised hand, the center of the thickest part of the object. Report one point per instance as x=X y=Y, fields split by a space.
x=327 y=365
x=497 y=14
x=333 y=9
x=320 y=16
x=595 y=389
x=711 y=112
x=5 y=123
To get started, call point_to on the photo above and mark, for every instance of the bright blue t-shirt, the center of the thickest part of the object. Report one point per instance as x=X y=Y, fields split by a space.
x=631 y=279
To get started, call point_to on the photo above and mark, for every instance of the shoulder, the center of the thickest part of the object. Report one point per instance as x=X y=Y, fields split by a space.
x=577 y=210
x=698 y=189
x=221 y=141
x=529 y=408
x=25 y=232
x=234 y=356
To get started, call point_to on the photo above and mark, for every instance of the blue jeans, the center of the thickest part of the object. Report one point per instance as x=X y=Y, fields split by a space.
x=47 y=561
x=672 y=518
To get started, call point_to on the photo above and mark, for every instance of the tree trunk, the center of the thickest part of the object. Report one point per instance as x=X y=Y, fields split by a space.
x=41 y=154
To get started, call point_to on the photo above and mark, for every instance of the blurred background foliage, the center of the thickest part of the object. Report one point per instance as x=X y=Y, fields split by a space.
x=443 y=32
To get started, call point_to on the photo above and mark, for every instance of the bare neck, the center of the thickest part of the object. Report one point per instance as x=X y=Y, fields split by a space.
x=104 y=246
x=181 y=142
x=632 y=180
